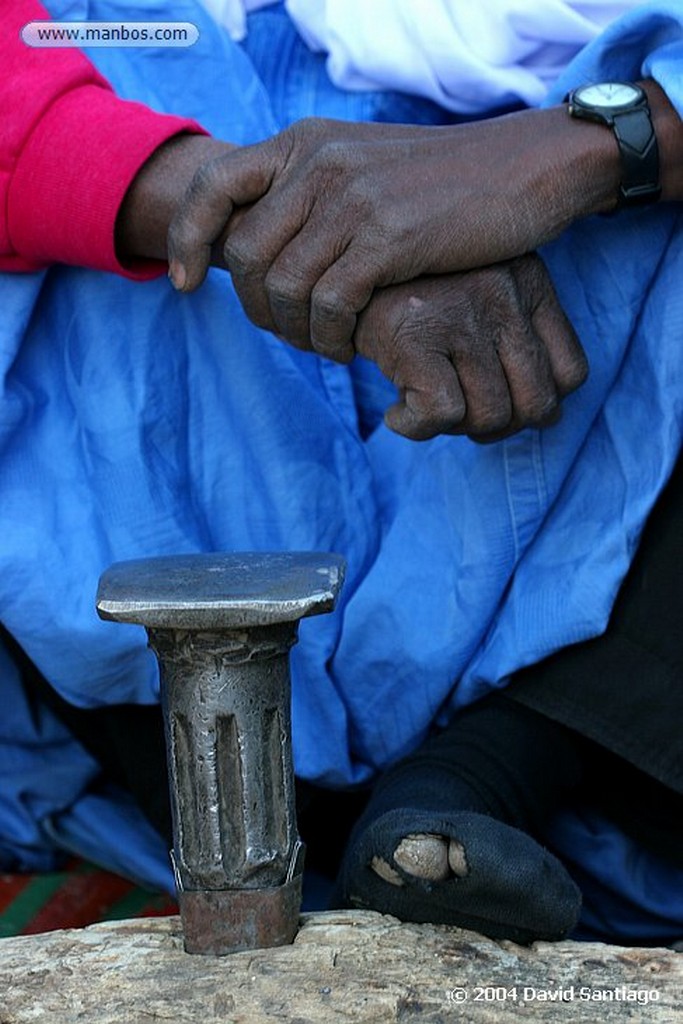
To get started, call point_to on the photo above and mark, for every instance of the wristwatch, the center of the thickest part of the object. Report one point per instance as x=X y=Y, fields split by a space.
x=624 y=108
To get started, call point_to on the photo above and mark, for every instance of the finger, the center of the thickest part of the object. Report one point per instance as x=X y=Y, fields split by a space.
x=489 y=404
x=293 y=276
x=503 y=297
x=256 y=242
x=339 y=296
x=484 y=385
x=528 y=372
x=431 y=399
x=538 y=298
x=241 y=176
x=514 y=426
x=430 y=407
x=566 y=356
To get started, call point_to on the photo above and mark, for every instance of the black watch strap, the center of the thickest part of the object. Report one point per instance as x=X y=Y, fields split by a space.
x=623 y=107
x=639 y=156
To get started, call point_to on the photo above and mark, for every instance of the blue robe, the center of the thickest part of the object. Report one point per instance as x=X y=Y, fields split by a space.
x=135 y=421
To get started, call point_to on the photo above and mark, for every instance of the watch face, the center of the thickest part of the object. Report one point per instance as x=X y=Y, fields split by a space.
x=608 y=95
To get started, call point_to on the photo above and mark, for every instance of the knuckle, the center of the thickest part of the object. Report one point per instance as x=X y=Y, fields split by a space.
x=241 y=255
x=575 y=374
x=305 y=139
x=432 y=388
x=537 y=409
x=428 y=418
x=447 y=412
x=205 y=180
x=183 y=237
x=329 y=305
x=286 y=289
x=489 y=420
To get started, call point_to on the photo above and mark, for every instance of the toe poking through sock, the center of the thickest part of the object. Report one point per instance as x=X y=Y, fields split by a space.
x=424 y=856
x=459 y=868
x=456 y=859
x=385 y=871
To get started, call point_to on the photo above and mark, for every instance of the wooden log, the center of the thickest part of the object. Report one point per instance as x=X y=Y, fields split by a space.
x=348 y=967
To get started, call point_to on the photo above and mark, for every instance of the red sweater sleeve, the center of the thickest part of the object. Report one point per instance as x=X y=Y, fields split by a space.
x=69 y=149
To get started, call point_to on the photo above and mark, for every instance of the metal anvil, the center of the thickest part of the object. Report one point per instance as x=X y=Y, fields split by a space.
x=221 y=626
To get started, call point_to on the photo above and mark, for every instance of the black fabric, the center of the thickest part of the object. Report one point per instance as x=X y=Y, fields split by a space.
x=127 y=741
x=624 y=689
x=495 y=774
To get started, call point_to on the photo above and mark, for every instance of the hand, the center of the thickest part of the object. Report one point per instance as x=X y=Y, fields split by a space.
x=483 y=353
x=341 y=209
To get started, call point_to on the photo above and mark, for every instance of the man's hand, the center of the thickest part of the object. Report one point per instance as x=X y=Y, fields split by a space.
x=483 y=353
x=341 y=209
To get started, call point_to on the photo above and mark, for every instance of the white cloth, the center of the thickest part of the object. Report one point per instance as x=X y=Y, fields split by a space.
x=470 y=57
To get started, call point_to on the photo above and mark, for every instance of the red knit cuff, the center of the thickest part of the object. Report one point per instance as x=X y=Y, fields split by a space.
x=73 y=174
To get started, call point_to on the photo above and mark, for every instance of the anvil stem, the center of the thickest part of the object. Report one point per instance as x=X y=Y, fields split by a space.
x=226 y=698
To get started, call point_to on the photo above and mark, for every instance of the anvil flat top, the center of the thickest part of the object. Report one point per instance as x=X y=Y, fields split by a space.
x=220 y=591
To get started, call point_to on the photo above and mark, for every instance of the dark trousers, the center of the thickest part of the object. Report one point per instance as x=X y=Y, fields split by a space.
x=624 y=690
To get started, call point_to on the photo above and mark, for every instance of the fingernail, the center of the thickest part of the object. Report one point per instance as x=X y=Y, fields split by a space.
x=177 y=274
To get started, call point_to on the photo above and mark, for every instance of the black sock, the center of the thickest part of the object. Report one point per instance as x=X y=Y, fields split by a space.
x=497 y=757
x=492 y=776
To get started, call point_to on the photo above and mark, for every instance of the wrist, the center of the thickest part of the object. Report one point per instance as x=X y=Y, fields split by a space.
x=589 y=167
x=155 y=193
x=576 y=170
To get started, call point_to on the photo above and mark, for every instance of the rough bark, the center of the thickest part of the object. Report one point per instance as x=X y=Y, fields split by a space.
x=343 y=967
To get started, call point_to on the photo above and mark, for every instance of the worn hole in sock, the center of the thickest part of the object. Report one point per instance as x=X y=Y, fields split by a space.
x=457 y=861
x=512 y=887
x=386 y=872
x=424 y=855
